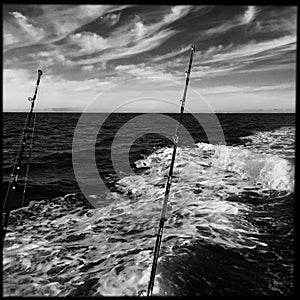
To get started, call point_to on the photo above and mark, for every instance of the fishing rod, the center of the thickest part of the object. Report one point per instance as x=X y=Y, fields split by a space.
x=12 y=186
x=169 y=180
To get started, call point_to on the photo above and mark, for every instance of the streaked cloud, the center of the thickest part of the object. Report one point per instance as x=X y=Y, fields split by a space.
x=172 y=54
x=231 y=23
x=143 y=71
x=249 y=15
x=222 y=60
x=62 y=20
x=19 y=30
x=131 y=39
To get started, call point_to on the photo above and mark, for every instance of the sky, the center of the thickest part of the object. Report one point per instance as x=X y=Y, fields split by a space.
x=133 y=58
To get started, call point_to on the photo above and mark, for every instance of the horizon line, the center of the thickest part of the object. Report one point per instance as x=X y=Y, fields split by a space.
x=167 y=112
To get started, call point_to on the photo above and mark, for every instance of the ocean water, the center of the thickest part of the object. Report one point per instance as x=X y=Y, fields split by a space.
x=230 y=215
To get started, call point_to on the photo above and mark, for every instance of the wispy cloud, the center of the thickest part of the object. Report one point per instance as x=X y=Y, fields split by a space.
x=86 y=47
x=249 y=15
x=54 y=23
x=61 y=20
x=142 y=71
x=177 y=12
x=253 y=48
x=19 y=30
x=131 y=39
x=144 y=45
x=226 y=25
x=172 y=54
x=218 y=60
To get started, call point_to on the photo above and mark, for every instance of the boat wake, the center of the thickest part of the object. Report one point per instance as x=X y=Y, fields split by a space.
x=222 y=197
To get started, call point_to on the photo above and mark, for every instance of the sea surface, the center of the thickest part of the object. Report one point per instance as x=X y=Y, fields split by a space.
x=230 y=215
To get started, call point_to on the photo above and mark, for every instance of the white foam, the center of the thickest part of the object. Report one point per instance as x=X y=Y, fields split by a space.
x=279 y=142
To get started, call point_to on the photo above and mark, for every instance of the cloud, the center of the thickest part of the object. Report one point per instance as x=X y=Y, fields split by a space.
x=141 y=30
x=141 y=71
x=88 y=68
x=112 y=18
x=249 y=15
x=271 y=22
x=244 y=89
x=9 y=38
x=242 y=58
x=244 y=19
x=123 y=42
x=144 y=45
x=148 y=43
x=78 y=48
x=27 y=27
x=54 y=23
x=47 y=59
x=254 y=48
x=61 y=20
x=221 y=29
x=20 y=31
x=171 y=54
x=212 y=71
x=176 y=13
x=272 y=67
x=89 y=42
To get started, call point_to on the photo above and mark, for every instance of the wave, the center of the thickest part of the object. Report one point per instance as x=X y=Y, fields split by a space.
x=279 y=142
x=216 y=162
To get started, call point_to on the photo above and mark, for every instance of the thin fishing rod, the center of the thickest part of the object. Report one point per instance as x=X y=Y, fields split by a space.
x=12 y=186
x=169 y=180
x=28 y=166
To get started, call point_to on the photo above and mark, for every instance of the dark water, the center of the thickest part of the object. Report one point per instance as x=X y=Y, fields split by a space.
x=51 y=172
x=230 y=215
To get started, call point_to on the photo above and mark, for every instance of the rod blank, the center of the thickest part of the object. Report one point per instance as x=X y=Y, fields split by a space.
x=168 y=185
